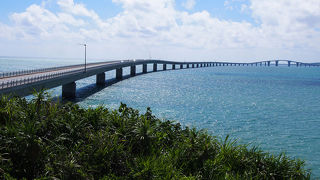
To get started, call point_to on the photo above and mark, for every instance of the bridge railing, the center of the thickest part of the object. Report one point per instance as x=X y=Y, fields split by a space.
x=28 y=80
x=32 y=71
x=33 y=79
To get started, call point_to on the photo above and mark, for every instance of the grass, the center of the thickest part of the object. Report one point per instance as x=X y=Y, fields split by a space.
x=42 y=139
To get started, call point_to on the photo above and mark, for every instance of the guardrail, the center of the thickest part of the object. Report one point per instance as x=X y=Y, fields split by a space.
x=38 y=78
x=41 y=70
x=34 y=79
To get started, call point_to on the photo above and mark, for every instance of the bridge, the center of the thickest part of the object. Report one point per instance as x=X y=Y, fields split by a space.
x=23 y=83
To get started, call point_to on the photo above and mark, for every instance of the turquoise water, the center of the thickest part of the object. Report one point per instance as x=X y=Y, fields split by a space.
x=276 y=108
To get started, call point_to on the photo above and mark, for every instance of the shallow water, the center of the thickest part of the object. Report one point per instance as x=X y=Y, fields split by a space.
x=276 y=108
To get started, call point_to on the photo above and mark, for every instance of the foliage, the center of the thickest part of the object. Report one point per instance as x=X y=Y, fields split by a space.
x=45 y=139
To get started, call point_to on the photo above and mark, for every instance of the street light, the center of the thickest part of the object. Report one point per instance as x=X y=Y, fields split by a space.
x=85 y=57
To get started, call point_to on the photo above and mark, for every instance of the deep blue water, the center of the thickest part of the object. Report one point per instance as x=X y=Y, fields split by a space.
x=276 y=108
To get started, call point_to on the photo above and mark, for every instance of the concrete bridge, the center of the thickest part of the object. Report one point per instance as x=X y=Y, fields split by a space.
x=269 y=63
x=22 y=83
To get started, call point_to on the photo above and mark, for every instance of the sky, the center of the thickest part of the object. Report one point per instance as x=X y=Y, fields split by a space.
x=181 y=30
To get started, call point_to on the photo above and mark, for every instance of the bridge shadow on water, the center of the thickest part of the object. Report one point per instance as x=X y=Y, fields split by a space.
x=86 y=91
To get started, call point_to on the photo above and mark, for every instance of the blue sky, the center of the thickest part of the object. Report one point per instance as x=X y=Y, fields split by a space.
x=107 y=8
x=232 y=30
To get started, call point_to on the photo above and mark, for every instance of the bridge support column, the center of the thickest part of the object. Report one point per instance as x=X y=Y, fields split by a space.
x=144 y=68
x=119 y=73
x=192 y=65
x=173 y=66
x=187 y=65
x=164 y=67
x=297 y=64
x=277 y=63
x=69 y=90
x=289 y=63
x=197 y=65
x=133 y=70
x=155 y=67
x=268 y=63
x=181 y=66
x=101 y=78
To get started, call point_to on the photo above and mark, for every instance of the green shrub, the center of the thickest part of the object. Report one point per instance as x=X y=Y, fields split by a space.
x=45 y=139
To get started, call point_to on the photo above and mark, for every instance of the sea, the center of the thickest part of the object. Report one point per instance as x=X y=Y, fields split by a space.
x=274 y=108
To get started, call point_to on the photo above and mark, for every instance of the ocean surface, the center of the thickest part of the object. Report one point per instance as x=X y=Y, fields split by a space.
x=275 y=108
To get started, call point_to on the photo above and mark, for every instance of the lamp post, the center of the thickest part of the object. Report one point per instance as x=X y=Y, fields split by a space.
x=85 y=57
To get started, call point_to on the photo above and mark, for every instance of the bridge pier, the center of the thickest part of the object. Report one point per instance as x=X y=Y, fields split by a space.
x=289 y=63
x=164 y=67
x=144 y=68
x=297 y=64
x=277 y=63
x=181 y=66
x=155 y=67
x=119 y=73
x=69 y=90
x=101 y=78
x=192 y=65
x=268 y=63
x=187 y=65
x=197 y=65
x=173 y=66
x=133 y=70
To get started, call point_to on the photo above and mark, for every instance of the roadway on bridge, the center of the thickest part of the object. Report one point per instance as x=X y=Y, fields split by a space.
x=64 y=70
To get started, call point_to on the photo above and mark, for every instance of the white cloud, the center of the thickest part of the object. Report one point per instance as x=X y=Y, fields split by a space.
x=290 y=22
x=156 y=26
x=189 y=4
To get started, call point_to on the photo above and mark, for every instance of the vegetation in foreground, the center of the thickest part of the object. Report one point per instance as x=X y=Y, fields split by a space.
x=45 y=139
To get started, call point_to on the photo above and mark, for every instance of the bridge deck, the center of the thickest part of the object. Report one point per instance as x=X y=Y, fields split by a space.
x=25 y=83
